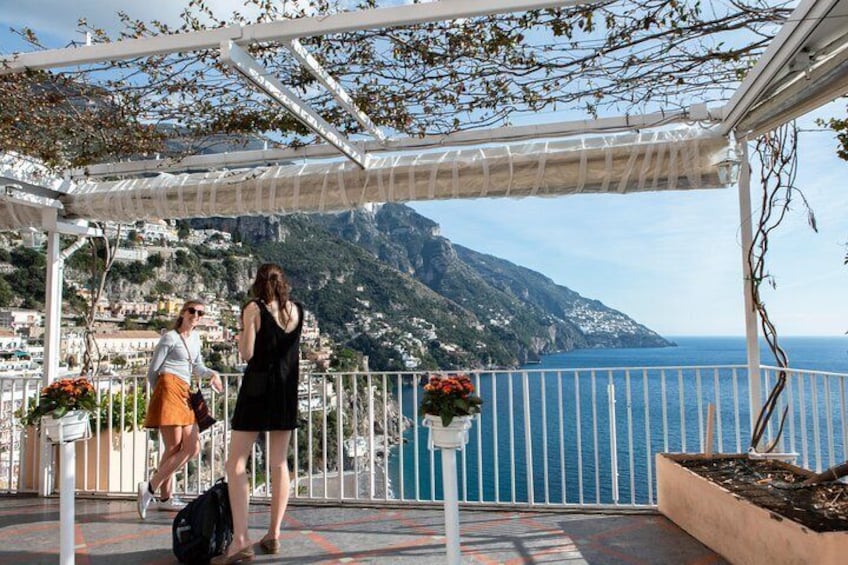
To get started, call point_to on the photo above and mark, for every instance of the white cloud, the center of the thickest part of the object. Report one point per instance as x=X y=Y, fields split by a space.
x=56 y=20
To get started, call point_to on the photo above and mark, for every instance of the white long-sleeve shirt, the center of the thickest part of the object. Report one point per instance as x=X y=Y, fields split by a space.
x=170 y=356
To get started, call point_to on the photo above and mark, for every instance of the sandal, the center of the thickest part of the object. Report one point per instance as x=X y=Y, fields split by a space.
x=270 y=545
x=245 y=554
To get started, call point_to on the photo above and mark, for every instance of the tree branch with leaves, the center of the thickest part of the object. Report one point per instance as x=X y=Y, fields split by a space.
x=431 y=78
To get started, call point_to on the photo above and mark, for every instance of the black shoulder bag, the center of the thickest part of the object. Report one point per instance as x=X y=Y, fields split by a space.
x=195 y=398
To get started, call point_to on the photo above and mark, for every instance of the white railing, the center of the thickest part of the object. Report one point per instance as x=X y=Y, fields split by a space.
x=558 y=438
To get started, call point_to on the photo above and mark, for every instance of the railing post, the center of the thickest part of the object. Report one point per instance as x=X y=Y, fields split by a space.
x=613 y=441
x=371 y=450
x=528 y=437
x=340 y=436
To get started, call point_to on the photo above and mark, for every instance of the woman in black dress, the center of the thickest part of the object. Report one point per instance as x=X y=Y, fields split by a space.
x=267 y=401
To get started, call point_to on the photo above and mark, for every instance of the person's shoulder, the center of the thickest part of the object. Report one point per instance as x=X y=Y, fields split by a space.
x=297 y=307
x=251 y=307
x=169 y=336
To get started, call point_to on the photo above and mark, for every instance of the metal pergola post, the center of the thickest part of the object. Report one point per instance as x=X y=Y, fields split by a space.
x=752 y=344
x=52 y=322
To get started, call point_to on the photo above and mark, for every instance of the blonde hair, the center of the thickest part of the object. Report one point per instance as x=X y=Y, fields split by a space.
x=179 y=321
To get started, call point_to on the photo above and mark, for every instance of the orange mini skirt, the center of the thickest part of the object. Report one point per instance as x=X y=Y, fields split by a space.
x=169 y=405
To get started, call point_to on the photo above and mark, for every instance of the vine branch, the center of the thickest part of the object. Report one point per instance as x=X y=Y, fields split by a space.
x=778 y=157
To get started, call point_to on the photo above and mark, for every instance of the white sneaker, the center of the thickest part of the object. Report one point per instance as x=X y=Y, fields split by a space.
x=173 y=504
x=144 y=499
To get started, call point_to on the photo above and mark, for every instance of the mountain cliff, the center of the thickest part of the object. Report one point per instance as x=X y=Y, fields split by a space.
x=384 y=281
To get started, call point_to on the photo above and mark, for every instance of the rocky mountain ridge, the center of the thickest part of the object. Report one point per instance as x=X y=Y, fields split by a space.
x=383 y=280
x=380 y=280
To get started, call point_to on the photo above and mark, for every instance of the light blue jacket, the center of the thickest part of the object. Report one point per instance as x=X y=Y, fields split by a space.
x=170 y=356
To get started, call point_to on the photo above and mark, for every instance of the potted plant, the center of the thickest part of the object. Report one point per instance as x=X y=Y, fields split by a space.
x=112 y=460
x=447 y=407
x=64 y=408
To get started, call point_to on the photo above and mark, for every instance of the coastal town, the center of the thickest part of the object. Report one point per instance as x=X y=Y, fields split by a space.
x=124 y=342
x=126 y=333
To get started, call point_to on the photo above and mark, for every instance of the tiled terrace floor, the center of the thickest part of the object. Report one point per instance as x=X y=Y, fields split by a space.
x=109 y=531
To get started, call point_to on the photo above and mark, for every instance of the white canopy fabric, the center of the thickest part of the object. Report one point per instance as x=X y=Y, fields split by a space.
x=28 y=188
x=679 y=159
x=16 y=216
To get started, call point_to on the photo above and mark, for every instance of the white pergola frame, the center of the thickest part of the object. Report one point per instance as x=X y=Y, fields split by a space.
x=805 y=66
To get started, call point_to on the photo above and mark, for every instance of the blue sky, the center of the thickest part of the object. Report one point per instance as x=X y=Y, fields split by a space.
x=671 y=260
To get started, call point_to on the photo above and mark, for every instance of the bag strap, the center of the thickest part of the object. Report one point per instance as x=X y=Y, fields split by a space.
x=190 y=362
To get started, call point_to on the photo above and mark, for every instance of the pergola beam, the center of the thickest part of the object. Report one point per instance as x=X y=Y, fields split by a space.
x=311 y=64
x=15 y=195
x=471 y=137
x=822 y=81
x=283 y=31
x=250 y=68
x=788 y=42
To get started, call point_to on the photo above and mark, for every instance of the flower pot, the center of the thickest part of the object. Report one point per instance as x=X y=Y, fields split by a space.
x=454 y=436
x=73 y=426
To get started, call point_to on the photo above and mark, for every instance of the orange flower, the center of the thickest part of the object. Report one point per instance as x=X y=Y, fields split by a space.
x=61 y=396
x=450 y=396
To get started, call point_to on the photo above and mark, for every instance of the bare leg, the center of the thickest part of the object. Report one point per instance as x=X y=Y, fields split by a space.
x=181 y=444
x=167 y=488
x=278 y=462
x=240 y=445
x=166 y=491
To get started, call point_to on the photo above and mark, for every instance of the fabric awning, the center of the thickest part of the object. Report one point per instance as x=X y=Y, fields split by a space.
x=26 y=189
x=674 y=159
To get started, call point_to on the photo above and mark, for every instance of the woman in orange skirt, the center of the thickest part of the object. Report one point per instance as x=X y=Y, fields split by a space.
x=176 y=358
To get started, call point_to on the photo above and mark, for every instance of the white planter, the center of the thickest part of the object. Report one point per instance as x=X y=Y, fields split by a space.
x=73 y=426
x=454 y=436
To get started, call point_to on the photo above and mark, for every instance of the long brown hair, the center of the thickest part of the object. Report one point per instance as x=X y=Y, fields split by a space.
x=179 y=321
x=270 y=285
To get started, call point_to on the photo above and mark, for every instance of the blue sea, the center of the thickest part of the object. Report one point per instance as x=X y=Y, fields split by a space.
x=575 y=407
x=816 y=353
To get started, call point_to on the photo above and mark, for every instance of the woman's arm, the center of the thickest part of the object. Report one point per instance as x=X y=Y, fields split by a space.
x=163 y=349
x=200 y=367
x=294 y=316
x=250 y=321
x=203 y=370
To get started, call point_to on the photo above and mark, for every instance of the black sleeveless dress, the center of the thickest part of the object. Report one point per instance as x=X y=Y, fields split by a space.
x=267 y=399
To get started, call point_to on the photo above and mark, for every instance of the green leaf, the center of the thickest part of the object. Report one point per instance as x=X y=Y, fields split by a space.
x=447 y=416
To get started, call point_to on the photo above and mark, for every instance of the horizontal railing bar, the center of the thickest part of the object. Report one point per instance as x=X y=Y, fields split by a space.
x=373 y=453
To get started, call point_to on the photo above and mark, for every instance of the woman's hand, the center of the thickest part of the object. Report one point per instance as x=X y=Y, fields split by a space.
x=216 y=383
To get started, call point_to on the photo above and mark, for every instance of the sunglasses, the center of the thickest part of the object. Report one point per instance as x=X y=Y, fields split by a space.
x=191 y=310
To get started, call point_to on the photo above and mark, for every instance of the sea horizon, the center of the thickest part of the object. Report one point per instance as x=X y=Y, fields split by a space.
x=823 y=353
